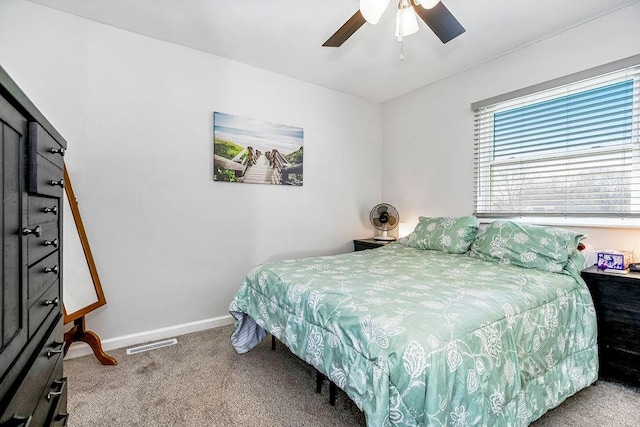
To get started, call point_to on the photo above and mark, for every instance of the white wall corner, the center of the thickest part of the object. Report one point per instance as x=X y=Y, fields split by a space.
x=82 y=349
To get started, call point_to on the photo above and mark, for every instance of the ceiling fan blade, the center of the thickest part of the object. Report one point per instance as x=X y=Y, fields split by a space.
x=346 y=31
x=441 y=22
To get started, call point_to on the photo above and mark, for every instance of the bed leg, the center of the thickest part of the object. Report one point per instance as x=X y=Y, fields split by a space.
x=332 y=393
x=319 y=380
x=273 y=343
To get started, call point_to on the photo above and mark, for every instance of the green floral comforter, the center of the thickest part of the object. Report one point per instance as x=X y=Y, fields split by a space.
x=419 y=337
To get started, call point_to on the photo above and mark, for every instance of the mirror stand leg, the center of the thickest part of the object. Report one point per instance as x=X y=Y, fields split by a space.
x=79 y=333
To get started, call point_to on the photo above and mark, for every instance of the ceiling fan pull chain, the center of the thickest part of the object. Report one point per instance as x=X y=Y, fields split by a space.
x=400 y=21
x=400 y=24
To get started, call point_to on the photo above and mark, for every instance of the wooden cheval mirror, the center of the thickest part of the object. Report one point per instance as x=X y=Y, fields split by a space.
x=82 y=291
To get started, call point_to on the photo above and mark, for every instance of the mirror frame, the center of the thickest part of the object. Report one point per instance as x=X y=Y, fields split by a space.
x=77 y=219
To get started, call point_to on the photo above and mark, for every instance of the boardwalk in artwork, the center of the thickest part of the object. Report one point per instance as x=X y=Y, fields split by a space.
x=261 y=173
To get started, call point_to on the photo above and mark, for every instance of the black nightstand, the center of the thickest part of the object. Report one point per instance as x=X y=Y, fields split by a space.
x=617 y=302
x=363 y=244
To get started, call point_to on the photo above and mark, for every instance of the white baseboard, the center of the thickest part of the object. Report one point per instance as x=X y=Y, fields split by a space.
x=82 y=349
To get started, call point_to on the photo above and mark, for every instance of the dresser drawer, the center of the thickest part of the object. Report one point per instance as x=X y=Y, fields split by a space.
x=43 y=307
x=50 y=409
x=45 y=177
x=59 y=416
x=27 y=397
x=42 y=210
x=625 y=356
x=43 y=274
x=16 y=374
x=623 y=315
x=622 y=296
x=40 y=142
x=44 y=243
x=620 y=363
x=620 y=335
x=51 y=398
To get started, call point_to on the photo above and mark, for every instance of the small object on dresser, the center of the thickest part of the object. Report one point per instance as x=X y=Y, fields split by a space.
x=384 y=217
x=613 y=261
x=634 y=266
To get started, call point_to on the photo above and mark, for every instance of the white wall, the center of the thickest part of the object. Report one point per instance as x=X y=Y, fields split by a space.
x=428 y=134
x=171 y=245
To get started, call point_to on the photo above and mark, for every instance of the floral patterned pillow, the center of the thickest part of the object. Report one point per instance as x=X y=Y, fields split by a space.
x=525 y=245
x=446 y=234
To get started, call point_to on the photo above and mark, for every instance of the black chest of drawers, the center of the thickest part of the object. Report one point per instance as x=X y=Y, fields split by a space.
x=617 y=303
x=32 y=386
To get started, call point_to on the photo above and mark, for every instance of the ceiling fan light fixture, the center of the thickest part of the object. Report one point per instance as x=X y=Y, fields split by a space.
x=427 y=4
x=439 y=19
x=372 y=10
x=406 y=21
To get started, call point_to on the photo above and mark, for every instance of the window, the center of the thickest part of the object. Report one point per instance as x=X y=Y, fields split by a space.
x=571 y=149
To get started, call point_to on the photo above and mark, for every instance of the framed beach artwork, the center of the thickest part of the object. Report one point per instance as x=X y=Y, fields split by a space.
x=256 y=152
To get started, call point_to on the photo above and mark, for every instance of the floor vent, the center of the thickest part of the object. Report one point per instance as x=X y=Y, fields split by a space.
x=152 y=346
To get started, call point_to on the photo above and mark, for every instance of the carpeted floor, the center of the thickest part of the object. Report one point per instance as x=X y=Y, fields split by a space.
x=201 y=381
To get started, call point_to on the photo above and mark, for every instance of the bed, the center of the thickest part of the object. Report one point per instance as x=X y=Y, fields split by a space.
x=450 y=326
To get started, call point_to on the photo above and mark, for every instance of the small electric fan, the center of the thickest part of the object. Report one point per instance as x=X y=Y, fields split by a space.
x=384 y=217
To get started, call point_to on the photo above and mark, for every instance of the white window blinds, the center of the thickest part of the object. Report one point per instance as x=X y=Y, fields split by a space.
x=570 y=150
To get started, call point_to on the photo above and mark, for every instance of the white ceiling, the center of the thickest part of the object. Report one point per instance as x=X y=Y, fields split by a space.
x=286 y=36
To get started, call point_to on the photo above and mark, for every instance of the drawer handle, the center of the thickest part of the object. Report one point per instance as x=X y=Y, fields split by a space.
x=57 y=344
x=53 y=269
x=35 y=231
x=61 y=384
x=62 y=416
x=54 y=302
x=51 y=353
x=53 y=210
x=53 y=393
x=54 y=183
x=57 y=151
x=22 y=421
x=53 y=243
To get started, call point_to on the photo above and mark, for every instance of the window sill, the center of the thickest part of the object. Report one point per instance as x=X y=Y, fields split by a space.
x=595 y=222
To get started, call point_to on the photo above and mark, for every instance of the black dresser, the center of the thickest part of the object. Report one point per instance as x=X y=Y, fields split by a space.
x=617 y=302
x=364 y=244
x=32 y=386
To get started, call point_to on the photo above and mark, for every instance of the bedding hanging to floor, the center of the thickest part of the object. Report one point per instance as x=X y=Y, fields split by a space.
x=423 y=337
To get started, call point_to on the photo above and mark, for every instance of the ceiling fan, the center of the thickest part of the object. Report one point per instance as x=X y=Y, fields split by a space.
x=433 y=13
